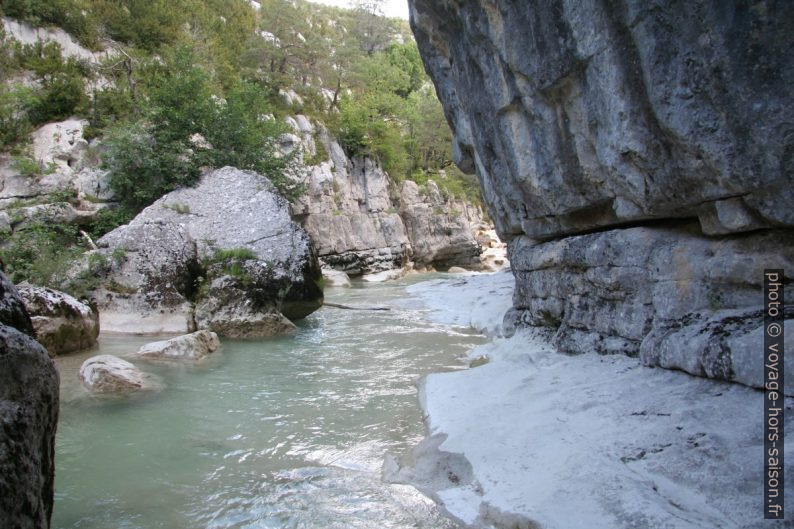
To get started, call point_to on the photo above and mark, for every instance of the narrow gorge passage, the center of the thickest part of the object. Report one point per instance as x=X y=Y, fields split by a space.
x=284 y=432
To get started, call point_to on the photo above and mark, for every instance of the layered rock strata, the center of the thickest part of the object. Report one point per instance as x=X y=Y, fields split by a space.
x=363 y=222
x=636 y=156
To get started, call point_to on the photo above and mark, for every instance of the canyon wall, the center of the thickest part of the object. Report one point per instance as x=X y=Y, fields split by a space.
x=364 y=222
x=638 y=158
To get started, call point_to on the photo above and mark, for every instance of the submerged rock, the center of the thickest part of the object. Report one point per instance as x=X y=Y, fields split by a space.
x=29 y=399
x=335 y=278
x=62 y=323
x=110 y=374
x=194 y=346
x=228 y=240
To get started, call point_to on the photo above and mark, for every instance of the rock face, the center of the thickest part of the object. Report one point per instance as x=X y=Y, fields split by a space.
x=62 y=323
x=110 y=374
x=664 y=127
x=335 y=278
x=28 y=418
x=224 y=244
x=68 y=189
x=12 y=308
x=363 y=223
x=193 y=346
x=442 y=240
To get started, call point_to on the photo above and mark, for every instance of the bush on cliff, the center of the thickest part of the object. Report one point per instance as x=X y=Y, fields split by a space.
x=184 y=127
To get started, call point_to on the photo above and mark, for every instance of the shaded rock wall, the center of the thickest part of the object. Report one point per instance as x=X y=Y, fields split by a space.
x=623 y=147
x=28 y=418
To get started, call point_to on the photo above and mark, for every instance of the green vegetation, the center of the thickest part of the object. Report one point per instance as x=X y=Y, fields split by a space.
x=42 y=253
x=194 y=84
x=214 y=68
x=243 y=254
x=178 y=207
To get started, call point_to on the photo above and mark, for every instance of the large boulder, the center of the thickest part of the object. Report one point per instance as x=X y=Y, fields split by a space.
x=28 y=418
x=227 y=310
x=194 y=246
x=637 y=158
x=62 y=323
x=193 y=346
x=110 y=374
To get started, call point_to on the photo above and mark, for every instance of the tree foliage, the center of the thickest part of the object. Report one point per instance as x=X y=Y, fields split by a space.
x=214 y=68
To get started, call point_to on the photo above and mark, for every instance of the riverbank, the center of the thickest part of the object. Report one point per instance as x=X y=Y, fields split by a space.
x=533 y=438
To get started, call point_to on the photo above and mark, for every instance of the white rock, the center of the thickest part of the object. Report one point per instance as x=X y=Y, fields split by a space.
x=27 y=34
x=335 y=278
x=62 y=323
x=60 y=143
x=93 y=183
x=457 y=270
x=192 y=346
x=627 y=442
x=290 y=97
x=110 y=374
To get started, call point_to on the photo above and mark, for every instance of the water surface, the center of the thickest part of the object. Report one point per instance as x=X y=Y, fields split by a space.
x=285 y=433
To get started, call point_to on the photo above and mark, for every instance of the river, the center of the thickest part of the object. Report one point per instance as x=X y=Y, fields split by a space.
x=286 y=432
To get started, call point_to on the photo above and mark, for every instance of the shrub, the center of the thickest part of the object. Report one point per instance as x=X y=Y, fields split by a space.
x=26 y=166
x=14 y=120
x=157 y=153
x=244 y=254
x=143 y=167
x=109 y=219
x=74 y=16
x=41 y=253
x=60 y=97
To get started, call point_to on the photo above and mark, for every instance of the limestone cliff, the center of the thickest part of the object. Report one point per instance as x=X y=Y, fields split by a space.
x=637 y=157
x=363 y=222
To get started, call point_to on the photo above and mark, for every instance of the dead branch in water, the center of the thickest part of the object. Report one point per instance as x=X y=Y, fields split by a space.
x=347 y=307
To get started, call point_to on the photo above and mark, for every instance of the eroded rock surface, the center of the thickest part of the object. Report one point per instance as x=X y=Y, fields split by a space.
x=110 y=374
x=29 y=399
x=193 y=346
x=581 y=114
x=62 y=323
x=228 y=240
x=672 y=119
x=363 y=223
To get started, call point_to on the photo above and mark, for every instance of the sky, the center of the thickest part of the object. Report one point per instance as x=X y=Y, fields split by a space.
x=391 y=8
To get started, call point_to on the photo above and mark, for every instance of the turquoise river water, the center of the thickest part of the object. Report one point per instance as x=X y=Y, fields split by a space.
x=280 y=433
